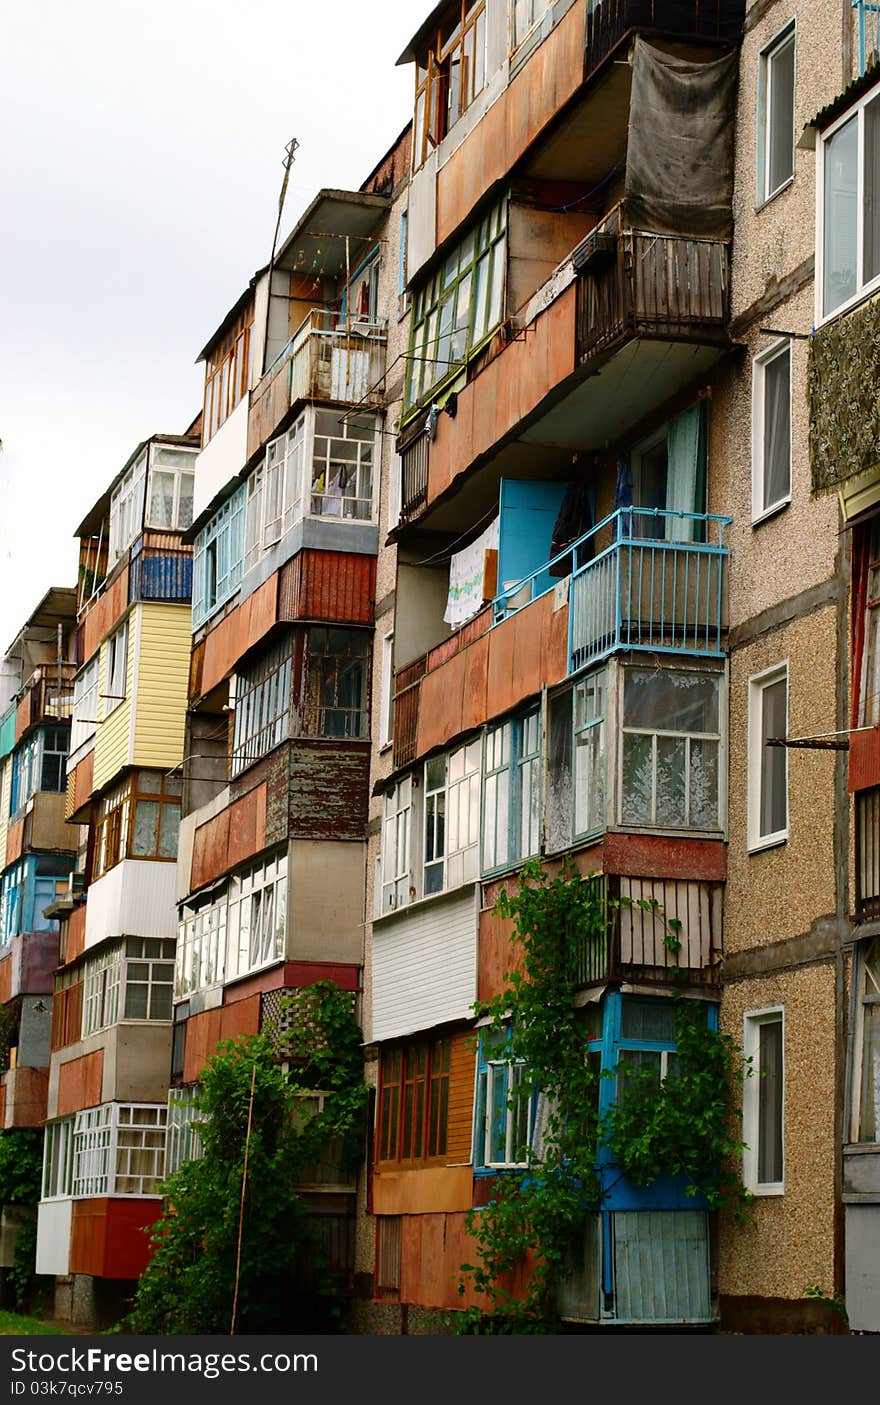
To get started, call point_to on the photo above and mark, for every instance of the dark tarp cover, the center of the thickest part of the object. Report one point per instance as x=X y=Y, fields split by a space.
x=679 y=169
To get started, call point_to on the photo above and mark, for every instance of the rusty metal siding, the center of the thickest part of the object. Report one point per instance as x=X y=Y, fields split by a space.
x=329 y=787
x=328 y=585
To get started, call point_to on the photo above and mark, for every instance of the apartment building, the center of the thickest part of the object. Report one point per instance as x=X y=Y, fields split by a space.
x=111 y=1009
x=38 y=853
x=631 y=624
x=285 y=536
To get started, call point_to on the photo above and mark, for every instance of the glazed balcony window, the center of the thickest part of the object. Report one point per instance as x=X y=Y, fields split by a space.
x=512 y=792
x=119 y=1149
x=414 y=1101
x=848 y=235
x=450 y=72
x=226 y=373
x=138 y=819
x=866 y=1093
x=458 y=307
x=85 y=705
x=39 y=764
x=128 y=980
x=218 y=558
x=670 y=749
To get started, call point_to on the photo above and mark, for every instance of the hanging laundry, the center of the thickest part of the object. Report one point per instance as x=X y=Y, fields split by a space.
x=467 y=573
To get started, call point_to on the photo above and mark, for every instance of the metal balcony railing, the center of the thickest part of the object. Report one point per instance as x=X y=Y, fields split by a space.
x=659 y=584
x=48 y=693
x=414 y=477
x=868 y=21
x=635 y=283
x=609 y=20
x=332 y=359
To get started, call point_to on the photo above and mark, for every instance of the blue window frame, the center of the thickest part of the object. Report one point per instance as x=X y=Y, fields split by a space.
x=512 y=792
x=25 y=889
x=39 y=764
x=218 y=558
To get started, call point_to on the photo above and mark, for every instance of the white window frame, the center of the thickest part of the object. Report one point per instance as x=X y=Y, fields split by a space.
x=461 y=813
x=84 y=723
x=863 y=290
x=781 y=40
x=780 y=348
x=183 y=1141
x=200 y=959
x=179 y=472
x=865 y=995
x=537 y=10
x=386 y=694
x=58 y=1160
x=718 y=736
x=115 y=670
x=255 y=894
x=127 y=504
x=396 y=860
x=758 y=682
x=752 y=1022
x=504 y=1069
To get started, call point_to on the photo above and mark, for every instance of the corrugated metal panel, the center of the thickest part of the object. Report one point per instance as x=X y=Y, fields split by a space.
x=661 y=1266
x=328 y=585
x=161 y=577
x=162 y=680
x=425 y=966
x=137 y=898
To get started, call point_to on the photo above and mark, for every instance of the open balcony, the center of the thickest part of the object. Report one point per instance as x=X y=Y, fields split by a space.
x=611 y=21
x=638 y=284
x=47 y=696
x=329 y=358
x=645 y=579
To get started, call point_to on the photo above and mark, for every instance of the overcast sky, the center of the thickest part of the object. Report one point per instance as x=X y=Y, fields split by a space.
x=140 y=150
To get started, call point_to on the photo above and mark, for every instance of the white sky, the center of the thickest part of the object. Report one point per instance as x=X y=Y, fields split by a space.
x=140 y=155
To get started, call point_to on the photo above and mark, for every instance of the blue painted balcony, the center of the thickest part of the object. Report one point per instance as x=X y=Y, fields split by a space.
x=868 y=21
x=643 y=579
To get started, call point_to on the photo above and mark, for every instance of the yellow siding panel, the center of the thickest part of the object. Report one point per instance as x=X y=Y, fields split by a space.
x=163 y=678
x=114 y=729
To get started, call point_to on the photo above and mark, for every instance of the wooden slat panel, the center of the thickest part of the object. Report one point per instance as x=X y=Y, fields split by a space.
x=461 y=1098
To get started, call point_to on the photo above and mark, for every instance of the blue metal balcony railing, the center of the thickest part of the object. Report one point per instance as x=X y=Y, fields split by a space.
x=659 y=585
x=868 y=16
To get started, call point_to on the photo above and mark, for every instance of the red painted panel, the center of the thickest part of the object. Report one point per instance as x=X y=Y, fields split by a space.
x=864 y=759
x=328 y=585
x=6 y=979
x=107 y=1237
x=660 y=856
x=76 y=933
x=103 y=615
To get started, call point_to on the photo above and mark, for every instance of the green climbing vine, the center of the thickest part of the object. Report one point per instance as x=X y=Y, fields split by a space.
x=213 y=1249
x=684 y=1125
x=21 y=1165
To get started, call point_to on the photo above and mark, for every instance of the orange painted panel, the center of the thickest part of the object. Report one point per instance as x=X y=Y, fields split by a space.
x=510 y=387
x=230 y=837
x=475 y=688
x=430 y=1190
x=76 y=933
x=496 y=954
x=107 y=1236
x=103 y=615
x=328 y=585
x=80 y=1083
x=864 y=759
x=205 y=1031
x=26 y=1097
x=14 y=840
x=237 y=632
x=440 y=709
x=532 y=100
x=6 y=979
x=460 y=1116
x=434 y=1246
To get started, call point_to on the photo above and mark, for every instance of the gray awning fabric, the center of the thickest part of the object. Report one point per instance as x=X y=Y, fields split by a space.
x=679 y=171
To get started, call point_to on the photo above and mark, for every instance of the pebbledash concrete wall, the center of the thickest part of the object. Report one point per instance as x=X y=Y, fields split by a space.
x=786 y=908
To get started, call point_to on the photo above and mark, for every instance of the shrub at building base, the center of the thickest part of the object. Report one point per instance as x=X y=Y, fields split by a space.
x=225 y=1261
x=21 y=1163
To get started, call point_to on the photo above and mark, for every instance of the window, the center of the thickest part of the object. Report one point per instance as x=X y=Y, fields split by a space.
x=58 y=1159
x=764 y=1102
x=505 y=1107
x=396 y=825
x=336 y=682
x=525 y=15
x=226 y=373
x=458 y=307
x=67 y=1008
x=201 y=945
x=102 y=978
x=849 y=207
x=256 y=921
x=414 y=1101
x=285 y=462
x=589 y=753
x=170 y=502
x=450 y=72
x=149 y=978
x=115 y=669
x=40 y=763
x=218 y=558
x=138 y=819
x=452 y=819
x=127 y=507
x=867 y=589
x=183 y=1141
x=771 y=430
x=119 y=1149
x=512 y=792
x=85 y=705
x=670 y=745
x=866 y=1101
x=776 y=114
x=26 y=888
x=768 y=765
x=342 y=465
x=262 y=705
x=386 y=705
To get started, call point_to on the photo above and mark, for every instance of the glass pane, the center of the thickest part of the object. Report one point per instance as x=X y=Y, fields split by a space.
x=841 y=216
x=670 y=701
x=781 y=116
x=869 y=1106
x=161 y=499
x=654 y=1022
x=774 y=802
x=871 y=199
x=638 y=779
x=704 y=784
x=770 y=1102
x=169 y=825
x=670 y=803
x=135 y=1002
x=777 y=428
x=146 y=821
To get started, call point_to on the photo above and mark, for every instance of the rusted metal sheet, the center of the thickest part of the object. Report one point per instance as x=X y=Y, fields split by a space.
x=14 y=840
x=662 y=856
x=103 y=615
x=76 y=933
x=205 y=1031
x=80 y=1083
x=107 y=1236
x=329 y=784
x=230 y=838
x=864 y=759
x=328 y=585
x=161 y=575
x=34 y=959
x=27 y=1094
x=6 y=979
x=237 y=632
